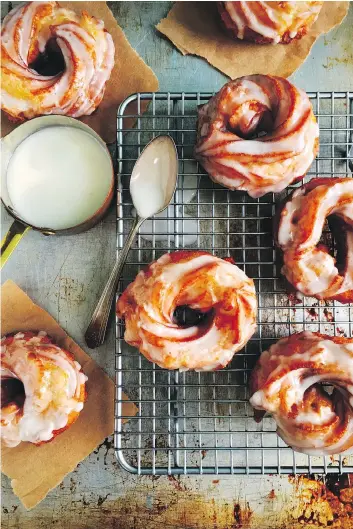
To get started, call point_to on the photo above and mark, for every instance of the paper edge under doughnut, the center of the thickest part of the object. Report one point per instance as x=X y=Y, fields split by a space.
x=30 y=481
x=184 y=23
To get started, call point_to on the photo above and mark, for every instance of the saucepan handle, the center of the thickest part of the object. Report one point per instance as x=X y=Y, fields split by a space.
x=12 y=238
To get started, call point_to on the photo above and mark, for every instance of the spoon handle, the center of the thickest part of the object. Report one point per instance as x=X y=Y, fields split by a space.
x=97 y=327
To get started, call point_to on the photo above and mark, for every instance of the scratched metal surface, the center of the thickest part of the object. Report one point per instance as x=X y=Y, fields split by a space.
x=65 y=276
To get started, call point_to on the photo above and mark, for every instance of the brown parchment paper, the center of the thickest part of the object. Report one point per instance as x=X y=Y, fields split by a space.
x=195 y=28
x=35 y=470
x=130 y=74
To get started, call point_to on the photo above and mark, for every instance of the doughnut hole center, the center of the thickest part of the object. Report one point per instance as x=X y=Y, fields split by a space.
x=51 y=61
x=250 y=121
x=12 y=390
x=184 y=316
x=333 y=240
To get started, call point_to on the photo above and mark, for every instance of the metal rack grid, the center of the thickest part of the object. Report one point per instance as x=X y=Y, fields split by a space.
x=195 y=423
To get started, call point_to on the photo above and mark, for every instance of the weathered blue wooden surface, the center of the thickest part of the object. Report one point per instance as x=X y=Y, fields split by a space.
x=65 y=275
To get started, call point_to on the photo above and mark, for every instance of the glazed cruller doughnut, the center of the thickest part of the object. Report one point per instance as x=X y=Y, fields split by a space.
x=288 y=383
x=299 y=223
x=87 y=50
x=212 y=286
x=227 y=146
x=268 y=22
x=53 y=388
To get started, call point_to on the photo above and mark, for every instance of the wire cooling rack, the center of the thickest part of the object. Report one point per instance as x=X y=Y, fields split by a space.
x=194 y=423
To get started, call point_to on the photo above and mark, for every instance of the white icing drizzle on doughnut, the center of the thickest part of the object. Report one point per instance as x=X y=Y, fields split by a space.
x=200 y=281
x=53 y=385
x=280 y=383
x=88 y=52
x=310 y=269
x=265 y=164
x=271 y=20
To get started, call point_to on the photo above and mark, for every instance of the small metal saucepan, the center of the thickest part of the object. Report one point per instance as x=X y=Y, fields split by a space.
x=19 y=227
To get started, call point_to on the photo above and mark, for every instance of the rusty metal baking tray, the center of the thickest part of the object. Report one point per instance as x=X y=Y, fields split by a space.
x=202 y=423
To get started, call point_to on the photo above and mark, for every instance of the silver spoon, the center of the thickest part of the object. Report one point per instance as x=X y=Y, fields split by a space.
x=152 y=185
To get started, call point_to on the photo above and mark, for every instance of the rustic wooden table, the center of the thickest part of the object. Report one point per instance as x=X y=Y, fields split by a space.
x=66 y=276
